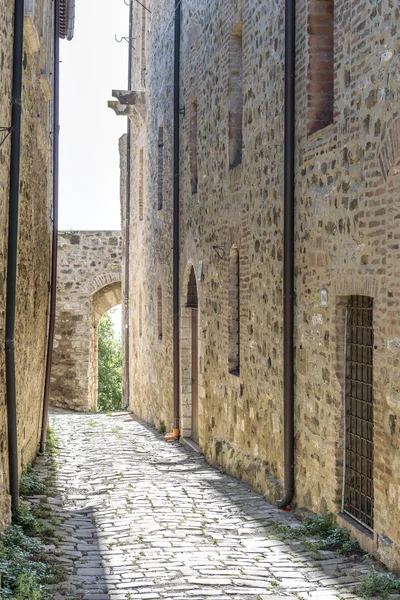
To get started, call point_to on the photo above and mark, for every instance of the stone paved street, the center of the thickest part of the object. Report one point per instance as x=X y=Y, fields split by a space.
x=140 y=518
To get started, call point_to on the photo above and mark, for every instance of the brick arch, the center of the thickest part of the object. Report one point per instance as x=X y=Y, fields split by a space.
x=389 y=151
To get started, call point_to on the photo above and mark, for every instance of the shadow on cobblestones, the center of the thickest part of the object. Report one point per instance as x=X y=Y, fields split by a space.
x=140 y=518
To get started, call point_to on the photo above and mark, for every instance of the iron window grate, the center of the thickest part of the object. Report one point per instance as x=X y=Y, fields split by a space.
x=358 y=492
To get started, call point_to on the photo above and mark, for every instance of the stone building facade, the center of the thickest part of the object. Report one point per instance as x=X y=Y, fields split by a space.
x=347 y=280
x=34 y=241
x=88 y=285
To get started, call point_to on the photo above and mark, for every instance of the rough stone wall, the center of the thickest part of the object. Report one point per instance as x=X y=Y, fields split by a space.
x=89 y=284
x=34 y=226
x=347 y=208
x=151 y=240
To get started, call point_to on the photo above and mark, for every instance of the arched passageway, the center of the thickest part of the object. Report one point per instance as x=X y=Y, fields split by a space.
x=101 y=302
x=89 y=284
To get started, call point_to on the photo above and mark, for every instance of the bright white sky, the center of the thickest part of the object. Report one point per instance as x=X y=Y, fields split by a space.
x=93 y=64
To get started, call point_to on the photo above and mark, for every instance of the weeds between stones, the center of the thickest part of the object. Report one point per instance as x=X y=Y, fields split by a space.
x=378 y=584
x=323 y=527
x=25 y=569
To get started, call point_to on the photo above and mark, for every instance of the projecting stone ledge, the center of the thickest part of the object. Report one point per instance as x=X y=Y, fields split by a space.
x=129 y=104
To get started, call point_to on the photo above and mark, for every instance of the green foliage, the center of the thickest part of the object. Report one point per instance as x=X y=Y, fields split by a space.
x=110 y=366
x=51 y=443
x=330 y=536
x=378 y=584
x=30 y=484
x=22 y=576
x=162 y=428
x=25 y=519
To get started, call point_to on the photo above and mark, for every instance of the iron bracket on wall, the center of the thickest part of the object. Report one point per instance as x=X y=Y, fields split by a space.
x=7 y=131
x=127 y=39
x=220 y=250
x=129 y=3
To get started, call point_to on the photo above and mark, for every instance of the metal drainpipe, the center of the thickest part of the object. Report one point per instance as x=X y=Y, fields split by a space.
x=288 y=261
x=128 y=218
x=176 y=208
x=13 y=252
x=53 y=281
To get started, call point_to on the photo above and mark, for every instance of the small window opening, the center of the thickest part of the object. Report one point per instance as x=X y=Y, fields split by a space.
x=235 y=97
x=160 y=167
x=159 y=312
x=143 y=47
x=141 y=183
x=193 y=147
x=140 y=314
x=192 y=301
x=234 y=312
x=320 y=87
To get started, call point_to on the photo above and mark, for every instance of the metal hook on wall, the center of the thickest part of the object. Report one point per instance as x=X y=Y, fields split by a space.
x=126 y=38
x=129 y=3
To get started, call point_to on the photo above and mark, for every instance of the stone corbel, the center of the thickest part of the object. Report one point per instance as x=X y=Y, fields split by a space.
x=129 y=104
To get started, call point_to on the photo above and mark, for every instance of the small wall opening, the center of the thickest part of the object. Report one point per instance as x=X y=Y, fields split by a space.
x=235 y=97
x=234 y=312
x=320 y=87
x=141 y=183
x=143 y=45
x=159 y=313
x=193 y=148
x=160 y=167
x=109 y=393
x=190 y=323
x=140 y=314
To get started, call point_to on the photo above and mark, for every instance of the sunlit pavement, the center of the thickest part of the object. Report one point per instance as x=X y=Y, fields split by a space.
x=141 y=518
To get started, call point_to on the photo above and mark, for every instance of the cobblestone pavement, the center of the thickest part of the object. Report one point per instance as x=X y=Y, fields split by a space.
x=140 y=518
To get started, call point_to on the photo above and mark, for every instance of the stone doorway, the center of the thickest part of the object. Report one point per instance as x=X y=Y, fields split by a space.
x=101 y=302
x=190 y=358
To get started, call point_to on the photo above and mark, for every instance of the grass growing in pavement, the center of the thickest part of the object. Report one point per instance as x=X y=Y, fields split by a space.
x=378 y=584
x=25 y=569
x=323 y=527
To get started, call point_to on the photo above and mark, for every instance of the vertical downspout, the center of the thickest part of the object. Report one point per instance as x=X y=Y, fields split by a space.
x=53 y=281
x=176 y=208
x=288 y=261
x=128 y=217
x=12 y=257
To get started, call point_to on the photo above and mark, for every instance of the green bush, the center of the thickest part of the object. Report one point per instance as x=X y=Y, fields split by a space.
x=110 y=367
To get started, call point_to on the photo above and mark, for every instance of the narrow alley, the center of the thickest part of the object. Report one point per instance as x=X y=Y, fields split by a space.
x=140 y=518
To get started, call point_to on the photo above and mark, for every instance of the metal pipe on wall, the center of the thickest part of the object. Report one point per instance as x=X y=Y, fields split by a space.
x=127 y=218
x=176 y=208
x=53 y=281
x=12 y=257
x=288 y=261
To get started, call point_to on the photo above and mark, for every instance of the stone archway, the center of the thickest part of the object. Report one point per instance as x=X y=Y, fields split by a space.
x=100 y=302
x=88 y=285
